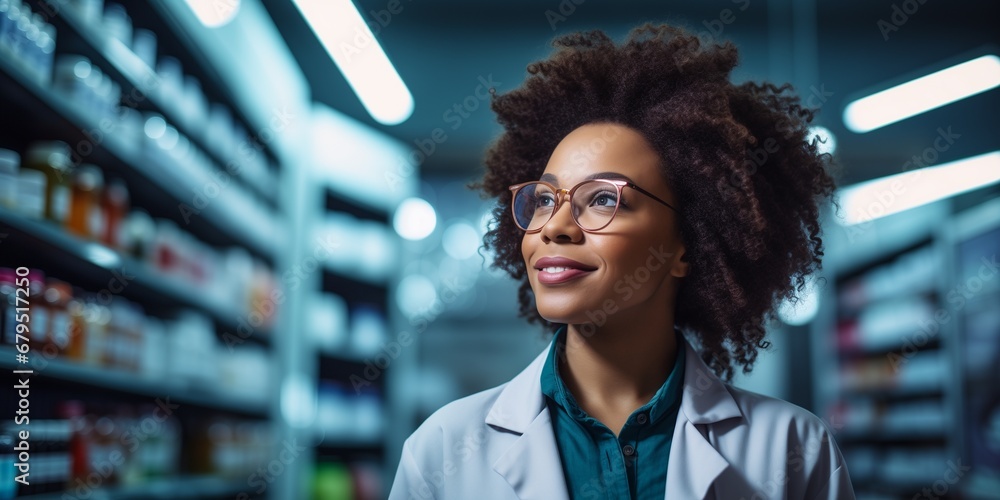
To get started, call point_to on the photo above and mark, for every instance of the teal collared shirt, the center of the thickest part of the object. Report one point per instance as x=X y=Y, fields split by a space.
x=598 y=465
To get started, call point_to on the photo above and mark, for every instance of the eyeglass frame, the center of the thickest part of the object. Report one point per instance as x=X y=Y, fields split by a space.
x=567 y=194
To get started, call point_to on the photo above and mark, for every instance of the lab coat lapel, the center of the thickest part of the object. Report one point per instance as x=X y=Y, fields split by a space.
x=694 y=462
x=531 y=466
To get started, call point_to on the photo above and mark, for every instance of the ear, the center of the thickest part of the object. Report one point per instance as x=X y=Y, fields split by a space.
x=679 y=268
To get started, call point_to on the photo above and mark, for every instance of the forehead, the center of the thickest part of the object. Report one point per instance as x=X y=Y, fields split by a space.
x=603 y=147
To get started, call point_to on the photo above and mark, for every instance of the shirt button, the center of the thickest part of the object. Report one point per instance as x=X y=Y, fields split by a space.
x=629 y=450
x=642 y=419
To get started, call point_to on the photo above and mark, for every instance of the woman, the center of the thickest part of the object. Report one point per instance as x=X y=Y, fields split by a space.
x=641 y=195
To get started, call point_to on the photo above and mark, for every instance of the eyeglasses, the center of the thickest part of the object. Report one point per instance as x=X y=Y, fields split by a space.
x=594 y=203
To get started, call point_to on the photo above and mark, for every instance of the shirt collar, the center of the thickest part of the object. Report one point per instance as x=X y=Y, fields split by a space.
x=705 y=400
x=666 y=400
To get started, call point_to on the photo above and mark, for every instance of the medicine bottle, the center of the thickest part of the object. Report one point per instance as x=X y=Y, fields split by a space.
x=31 y=194
x=79 y=450
x=77 y=327
x=85 y=208
x=114 y=206
x=97 y=318
x=58 y=295
x=52 y=158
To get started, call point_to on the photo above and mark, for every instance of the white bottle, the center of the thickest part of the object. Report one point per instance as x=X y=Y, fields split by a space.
x=31 y=194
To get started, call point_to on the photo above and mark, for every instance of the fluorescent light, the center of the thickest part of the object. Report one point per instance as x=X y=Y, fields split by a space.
x=895 y=193
x=214 y=13
x=347 y=38
x=923 y=94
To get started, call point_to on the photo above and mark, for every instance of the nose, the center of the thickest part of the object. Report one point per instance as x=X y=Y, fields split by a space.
x=561 y=225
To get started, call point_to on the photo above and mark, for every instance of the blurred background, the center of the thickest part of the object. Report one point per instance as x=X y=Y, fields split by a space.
x=253 y=267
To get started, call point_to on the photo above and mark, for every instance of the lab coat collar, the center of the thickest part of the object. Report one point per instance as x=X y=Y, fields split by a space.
x=532 y=465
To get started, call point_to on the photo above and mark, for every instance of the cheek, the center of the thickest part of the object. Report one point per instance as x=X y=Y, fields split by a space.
x=632 y=262
x=527 y=248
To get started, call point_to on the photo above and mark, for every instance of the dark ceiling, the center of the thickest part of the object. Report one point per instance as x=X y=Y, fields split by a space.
x=444 y=49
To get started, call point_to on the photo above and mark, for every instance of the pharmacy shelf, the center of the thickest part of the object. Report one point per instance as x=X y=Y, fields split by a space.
x=885 y=434
x=132 y=383
x=249 y=212
x=354 y=288
x=134 y=72
x=869 y=352
x=343 y=355
x=164 y=183
x=898 y=488
x=922 y=289
x=349 y=443
x=888 y=389
x=349 y=449
x=98 y=264
x=167 y=488
x=865 y=371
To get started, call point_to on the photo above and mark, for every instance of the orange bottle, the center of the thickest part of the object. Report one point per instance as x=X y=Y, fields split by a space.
x=77 y=328
x=85 y=217
x=114 y=205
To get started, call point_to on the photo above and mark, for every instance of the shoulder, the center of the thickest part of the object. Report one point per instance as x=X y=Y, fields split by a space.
x=759 y=409
x=459 y=421
x=476 y=429
x=805 y=436
x=451 y=452
x=791 y=443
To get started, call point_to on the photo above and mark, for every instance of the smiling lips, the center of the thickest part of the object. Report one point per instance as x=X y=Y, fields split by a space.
x=554 y=270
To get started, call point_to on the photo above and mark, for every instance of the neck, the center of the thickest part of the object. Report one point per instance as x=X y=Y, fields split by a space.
x=621 y=365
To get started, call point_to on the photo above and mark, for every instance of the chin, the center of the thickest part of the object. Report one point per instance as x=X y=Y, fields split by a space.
x=562 y=312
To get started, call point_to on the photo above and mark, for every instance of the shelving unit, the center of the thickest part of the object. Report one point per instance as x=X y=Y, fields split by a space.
x=127 y=384
x=892 y=372
x=279 y=192
x=352 y=406
x=891 y=351
x=247 y=212
x=181 y=487
x=94 y=264
x=166 y=184
x=136 y=75
x=975 y=238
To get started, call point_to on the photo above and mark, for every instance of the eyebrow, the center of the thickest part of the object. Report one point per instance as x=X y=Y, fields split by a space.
x=600 y=175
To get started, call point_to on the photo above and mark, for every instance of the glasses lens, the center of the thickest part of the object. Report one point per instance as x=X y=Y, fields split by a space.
x=594 y=204
x=533 y=205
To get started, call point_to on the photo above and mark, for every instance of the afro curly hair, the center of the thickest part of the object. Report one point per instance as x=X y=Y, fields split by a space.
x=738 y=158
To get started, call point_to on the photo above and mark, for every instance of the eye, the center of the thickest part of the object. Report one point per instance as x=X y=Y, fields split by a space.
x=544 y=200
x=604 y=199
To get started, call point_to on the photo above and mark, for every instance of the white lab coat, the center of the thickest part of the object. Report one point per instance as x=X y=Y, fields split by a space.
x=728 y=444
